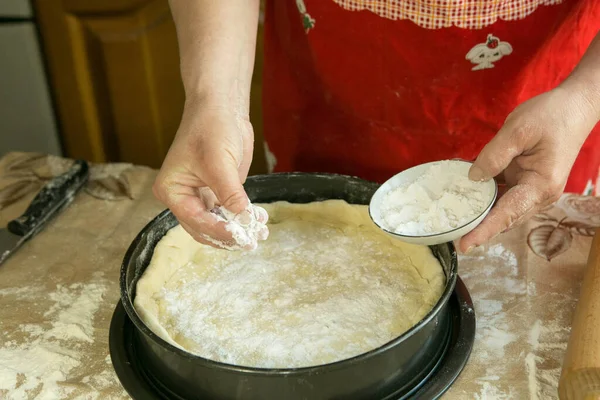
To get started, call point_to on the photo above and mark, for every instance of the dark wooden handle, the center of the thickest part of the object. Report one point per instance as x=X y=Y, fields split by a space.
x=54 y=196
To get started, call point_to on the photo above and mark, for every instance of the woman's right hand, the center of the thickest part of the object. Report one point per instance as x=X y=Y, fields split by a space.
x=211 y=153
x=205 y=167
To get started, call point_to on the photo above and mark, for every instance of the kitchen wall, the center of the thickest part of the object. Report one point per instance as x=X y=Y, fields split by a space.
x=27 y=121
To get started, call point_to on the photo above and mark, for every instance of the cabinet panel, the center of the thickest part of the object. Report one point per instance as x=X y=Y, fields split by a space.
x=116 y=80
x=114 y=68
x=139 y=68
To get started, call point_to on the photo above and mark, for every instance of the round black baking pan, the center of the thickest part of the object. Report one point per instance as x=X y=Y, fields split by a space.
x=392 y=369
x=140 y=385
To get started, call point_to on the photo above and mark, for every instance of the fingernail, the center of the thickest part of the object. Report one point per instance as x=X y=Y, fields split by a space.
x=476 y=174
x=263 y=234
x=251 y=246
x=244 y=218
x=470 y=249
x=260 y=214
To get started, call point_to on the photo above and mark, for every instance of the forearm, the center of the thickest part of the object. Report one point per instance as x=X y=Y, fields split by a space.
x=217 y=42
x=584 y=81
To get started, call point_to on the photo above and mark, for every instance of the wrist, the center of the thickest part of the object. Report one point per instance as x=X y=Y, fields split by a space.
x=217 y=94
x=585 y=92
x=206 y=99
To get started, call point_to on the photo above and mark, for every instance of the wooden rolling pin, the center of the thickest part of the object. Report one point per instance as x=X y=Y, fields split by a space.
x=580 y=377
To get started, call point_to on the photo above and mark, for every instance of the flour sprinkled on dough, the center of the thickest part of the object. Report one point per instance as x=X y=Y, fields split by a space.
x=247 y=227
x=327 y=285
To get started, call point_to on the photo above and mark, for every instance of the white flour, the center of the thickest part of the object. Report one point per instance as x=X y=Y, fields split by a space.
x=505 y=298
x=246 y=228
x=442 y=199
x=491 y=392
x=37 y=359
x=493 y=288
x=317 y=292
x=550 y=339
x=497 y=285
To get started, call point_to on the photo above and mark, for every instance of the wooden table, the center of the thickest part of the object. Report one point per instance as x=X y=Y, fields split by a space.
x=57 y=294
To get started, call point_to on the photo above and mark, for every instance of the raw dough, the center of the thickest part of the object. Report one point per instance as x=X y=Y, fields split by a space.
x=327 y=285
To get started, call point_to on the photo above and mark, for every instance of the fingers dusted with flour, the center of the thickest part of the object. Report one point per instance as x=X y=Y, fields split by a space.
x=517 y=205
x=201 y=180
x=534 y=151
x=202 y=175
x=537 y=146
x=191 y=206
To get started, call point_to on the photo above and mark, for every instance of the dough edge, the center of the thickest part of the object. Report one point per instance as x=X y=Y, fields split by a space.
x=165 y=263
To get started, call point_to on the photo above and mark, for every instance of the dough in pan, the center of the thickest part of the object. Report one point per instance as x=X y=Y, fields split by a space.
x=327 y=285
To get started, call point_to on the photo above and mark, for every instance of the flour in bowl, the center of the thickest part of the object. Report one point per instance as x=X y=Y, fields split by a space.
x=440 y=200
x=327 y=285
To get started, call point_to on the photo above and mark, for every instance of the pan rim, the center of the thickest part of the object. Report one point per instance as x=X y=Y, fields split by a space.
x=127 y=301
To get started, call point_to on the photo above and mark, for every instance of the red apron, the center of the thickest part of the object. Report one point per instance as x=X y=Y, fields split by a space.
x=369 y=88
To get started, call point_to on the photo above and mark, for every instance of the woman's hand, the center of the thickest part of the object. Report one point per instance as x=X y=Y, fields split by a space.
x=534 y=152
x=209 y=159
x=206 y=166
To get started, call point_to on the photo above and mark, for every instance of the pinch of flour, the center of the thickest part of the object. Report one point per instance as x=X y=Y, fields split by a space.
x=244 y=235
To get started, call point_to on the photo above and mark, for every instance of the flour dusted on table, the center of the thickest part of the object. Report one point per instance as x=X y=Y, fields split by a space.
x=440 y=200
x=327 y=285
x=39 y=359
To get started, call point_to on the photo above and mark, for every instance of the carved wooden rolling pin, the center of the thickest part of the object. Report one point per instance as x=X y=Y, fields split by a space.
x=580 y=378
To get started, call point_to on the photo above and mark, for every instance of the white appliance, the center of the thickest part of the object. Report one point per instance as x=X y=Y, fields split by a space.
x=27 y=120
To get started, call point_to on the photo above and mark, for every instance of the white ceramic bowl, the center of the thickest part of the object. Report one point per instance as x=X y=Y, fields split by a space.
x=411 y=175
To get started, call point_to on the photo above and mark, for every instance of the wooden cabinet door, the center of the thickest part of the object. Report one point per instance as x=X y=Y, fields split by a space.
x=114 y=68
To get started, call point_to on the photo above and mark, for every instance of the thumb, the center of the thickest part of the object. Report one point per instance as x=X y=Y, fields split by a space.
x=223 y=179
x=496 y=155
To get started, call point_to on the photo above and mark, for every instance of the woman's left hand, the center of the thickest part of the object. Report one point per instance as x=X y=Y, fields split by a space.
x=534 y=151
